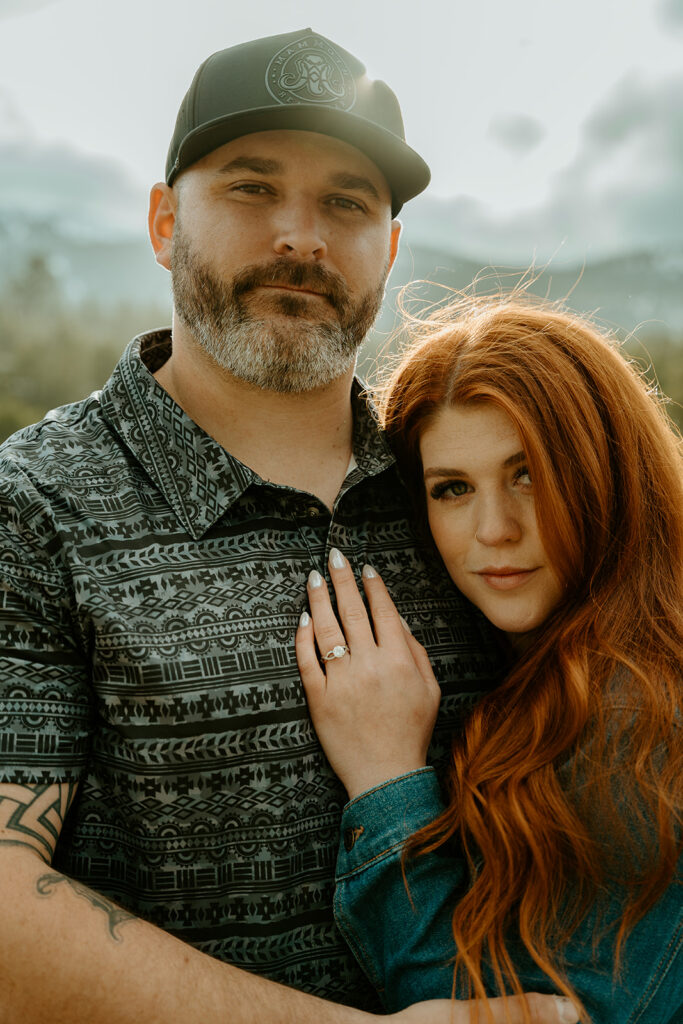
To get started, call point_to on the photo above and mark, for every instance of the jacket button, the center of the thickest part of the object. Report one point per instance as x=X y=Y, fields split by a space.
x=350 y=837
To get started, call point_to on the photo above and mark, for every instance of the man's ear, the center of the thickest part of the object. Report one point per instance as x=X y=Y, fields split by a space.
x=393 y=244
x=163 y=204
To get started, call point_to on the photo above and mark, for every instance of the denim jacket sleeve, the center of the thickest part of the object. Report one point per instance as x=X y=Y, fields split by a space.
x=403 y=939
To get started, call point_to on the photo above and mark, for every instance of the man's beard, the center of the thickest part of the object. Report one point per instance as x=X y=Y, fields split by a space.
x=288 y=352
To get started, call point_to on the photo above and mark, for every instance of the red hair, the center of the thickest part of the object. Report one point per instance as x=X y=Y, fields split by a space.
x=604 y=670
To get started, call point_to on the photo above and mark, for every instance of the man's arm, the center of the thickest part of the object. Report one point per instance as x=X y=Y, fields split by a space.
x=70 y=956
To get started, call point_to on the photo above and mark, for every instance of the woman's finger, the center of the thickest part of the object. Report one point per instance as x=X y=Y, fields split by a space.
x=420 y=657
x=388 y=625
x=328 y=633
x=312 y=675
x=352 y=612
x=540 y=1009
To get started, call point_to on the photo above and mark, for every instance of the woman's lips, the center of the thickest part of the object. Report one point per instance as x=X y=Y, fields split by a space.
x=506 y=579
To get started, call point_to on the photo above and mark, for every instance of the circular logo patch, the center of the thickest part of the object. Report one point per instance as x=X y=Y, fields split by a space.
x=311 y=70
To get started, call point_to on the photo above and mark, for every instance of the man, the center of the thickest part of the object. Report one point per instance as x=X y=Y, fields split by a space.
x=168 y=816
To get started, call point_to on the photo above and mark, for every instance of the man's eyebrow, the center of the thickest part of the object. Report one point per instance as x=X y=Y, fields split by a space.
x=512 y=460
x=255 y=164
x=354 y=183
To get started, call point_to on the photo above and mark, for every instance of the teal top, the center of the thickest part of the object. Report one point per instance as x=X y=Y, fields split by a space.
x=405 y=943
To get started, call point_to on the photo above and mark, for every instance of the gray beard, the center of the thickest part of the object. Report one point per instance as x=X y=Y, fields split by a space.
x=290 y=354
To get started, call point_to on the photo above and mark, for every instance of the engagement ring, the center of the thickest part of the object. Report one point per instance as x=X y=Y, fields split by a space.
x=337 y=652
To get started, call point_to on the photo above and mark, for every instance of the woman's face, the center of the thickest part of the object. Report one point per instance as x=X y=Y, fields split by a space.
x=480 y=504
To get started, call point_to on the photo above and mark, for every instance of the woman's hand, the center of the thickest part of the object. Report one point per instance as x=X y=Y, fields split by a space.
x=373 y=708
x=541 y=1010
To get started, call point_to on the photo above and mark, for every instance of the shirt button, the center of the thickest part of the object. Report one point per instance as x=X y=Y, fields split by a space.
x=350 y=837
x=313 y=511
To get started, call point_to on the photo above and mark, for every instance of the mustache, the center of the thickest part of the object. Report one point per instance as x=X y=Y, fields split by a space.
x=299 y=275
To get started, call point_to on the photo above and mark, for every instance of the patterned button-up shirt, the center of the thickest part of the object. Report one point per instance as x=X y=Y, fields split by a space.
x=150 y=589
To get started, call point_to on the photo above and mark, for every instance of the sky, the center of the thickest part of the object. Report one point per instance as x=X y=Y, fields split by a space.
x=550 y=125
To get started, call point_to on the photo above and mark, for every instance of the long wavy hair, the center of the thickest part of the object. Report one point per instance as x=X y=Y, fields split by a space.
x=566 y=781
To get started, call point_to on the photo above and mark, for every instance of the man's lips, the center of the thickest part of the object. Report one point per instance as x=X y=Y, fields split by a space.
x=505 y=578
x=293 y=288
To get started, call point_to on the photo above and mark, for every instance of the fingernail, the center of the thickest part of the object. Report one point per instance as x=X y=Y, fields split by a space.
x=405 y=624
x=368 y=572
x=304 y=620
x=337 y=560
x=315 y=579
x=566 y=1010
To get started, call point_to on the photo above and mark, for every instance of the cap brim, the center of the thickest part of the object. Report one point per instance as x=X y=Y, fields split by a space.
x=405 y=171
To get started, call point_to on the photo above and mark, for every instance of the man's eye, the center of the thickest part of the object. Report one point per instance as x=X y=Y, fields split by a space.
x=449 y=489
x=345 y=203
x=251 y=189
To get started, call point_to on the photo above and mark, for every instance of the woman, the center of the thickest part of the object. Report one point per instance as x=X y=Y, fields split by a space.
x=550 y=479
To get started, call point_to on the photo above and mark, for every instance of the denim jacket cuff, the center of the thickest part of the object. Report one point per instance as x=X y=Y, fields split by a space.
x=379 y=821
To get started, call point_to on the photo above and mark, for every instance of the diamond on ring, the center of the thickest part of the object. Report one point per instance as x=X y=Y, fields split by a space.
x=337 y=652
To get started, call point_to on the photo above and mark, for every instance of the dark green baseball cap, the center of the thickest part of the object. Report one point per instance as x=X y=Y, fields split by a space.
x=300 y=81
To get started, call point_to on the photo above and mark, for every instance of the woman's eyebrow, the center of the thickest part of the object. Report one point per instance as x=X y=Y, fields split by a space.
x=512 y=460
x=515 y=459
x=443 y=471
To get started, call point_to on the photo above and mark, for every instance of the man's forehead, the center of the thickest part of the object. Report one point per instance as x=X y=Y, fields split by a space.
x=276 y=152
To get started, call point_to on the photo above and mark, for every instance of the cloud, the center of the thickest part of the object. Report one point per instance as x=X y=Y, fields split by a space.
x=622 y=192
x=518 y=133
x=13 y=123
x=80 y=194
x=671 y=13
x=15 y=8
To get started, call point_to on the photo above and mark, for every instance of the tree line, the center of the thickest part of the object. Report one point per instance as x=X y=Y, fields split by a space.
x=52 y=352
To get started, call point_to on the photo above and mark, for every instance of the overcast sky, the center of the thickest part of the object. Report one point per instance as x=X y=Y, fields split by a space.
x=557 y=119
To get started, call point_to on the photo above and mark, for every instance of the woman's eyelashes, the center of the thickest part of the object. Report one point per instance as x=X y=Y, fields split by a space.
x=449 y=489
x=523 y=477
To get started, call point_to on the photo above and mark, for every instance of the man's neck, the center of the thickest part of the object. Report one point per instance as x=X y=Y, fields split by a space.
x=302 y=440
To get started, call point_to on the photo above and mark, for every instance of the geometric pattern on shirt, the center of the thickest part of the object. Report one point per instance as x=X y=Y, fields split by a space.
x=150 y=589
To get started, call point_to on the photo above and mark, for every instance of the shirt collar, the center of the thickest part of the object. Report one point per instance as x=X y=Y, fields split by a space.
x=200 y=479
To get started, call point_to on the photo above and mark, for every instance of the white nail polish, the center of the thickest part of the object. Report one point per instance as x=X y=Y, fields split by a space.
x=405 y=624
x=337 y=560
x=315 y=579
x=304 y=620
x=368 y=572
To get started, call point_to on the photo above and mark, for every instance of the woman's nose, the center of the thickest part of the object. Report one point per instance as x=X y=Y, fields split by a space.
x=497 y=523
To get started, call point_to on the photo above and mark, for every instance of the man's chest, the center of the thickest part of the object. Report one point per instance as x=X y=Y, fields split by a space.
x=191 y=640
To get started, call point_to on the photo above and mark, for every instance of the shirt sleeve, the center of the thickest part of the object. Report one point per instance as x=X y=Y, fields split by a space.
x=44 y=693
x=400 y=933
x=402 y=936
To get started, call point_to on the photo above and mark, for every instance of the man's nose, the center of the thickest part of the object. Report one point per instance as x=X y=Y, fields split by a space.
x=298 y=232
x=497 y=522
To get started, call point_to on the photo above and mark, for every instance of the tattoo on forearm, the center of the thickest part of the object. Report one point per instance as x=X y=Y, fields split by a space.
x=115 y=915
x=35 y=814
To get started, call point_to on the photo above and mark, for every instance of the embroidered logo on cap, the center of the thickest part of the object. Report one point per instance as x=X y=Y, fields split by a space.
x=311 y=70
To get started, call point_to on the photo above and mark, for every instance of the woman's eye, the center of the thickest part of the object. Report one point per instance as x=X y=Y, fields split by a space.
x=523 y=477
x=449 y=489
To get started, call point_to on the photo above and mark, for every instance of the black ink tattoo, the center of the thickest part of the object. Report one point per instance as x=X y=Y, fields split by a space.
x=115 y=915
x=35 y=814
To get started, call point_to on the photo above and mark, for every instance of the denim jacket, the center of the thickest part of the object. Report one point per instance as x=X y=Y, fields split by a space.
x=405 y=944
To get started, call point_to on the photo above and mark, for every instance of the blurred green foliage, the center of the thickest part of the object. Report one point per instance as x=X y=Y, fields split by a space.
x=52 y=353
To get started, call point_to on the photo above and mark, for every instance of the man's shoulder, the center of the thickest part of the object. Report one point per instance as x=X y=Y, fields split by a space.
x=70 y=441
